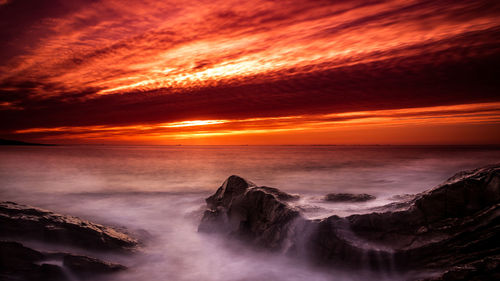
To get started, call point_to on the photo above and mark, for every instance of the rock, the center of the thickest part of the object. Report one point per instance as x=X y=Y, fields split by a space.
x=464 y=194
x=14 y=253
x=486 y=269
x=348 y=197
x=403 y=197
x=52 y=272
x=453 y=229
x=84 y=266
x=23 y=221
x=21 y=263
x=18 y=262
x=241 y=208
x=450 y=225
x=280 y=194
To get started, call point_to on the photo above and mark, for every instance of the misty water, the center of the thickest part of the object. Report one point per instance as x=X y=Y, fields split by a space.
x=157 y=194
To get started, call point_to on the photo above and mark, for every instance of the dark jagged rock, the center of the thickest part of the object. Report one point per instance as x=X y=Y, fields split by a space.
x=84 y=266
x=28 y=222
x=14 y=253
x=485 y=269
x=18 y=262
x=280 y=194
x=348 y=197
x=453 y=229
x=241 y=208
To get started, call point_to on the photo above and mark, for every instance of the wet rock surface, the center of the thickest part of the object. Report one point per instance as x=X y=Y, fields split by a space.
x=18 y=262
x=348 y=197
x=83 y=265
x=452 y=230
x=21 y=263
x=484 y=269
x=240 y=208
x=34 y=223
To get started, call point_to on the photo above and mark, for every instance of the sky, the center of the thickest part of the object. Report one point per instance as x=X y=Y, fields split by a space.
x=255 y=72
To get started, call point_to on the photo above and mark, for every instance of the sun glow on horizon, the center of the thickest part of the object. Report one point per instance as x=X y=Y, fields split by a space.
x=211 y=131
x=193 y=123
x=229 y=71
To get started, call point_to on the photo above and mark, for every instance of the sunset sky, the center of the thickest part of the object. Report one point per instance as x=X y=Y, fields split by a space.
x=250 y=72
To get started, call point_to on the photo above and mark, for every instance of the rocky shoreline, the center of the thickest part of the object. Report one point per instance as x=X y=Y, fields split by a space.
x=452 y=230
x=18 y=262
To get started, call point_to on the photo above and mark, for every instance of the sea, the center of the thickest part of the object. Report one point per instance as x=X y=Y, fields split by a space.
x=157 y=194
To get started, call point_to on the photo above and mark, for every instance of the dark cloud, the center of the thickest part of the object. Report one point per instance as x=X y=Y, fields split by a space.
x=21 y=19
x=57 y=80
x=411 y=81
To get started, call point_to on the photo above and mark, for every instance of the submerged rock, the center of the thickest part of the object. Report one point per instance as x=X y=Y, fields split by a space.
x=453 y=226
x=23 y=221
x=348 y=197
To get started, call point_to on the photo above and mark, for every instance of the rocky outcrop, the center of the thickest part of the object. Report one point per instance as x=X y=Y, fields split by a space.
x=348 y=197
x=21 y=263
x=18 y=262
x=451 y=229
x=23 y=221
x=481 y=270
x=84 y=266
x=240 y=208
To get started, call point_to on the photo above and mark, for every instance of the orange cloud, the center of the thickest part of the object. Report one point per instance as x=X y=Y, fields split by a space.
x=246 y=71
x=150 y=45
x=364 y=126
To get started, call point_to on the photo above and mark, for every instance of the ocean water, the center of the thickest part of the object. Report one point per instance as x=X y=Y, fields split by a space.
x=157 y=193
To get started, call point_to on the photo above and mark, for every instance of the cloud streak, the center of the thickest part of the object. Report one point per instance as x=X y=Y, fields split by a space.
x=94 y=63
x=186 y=131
